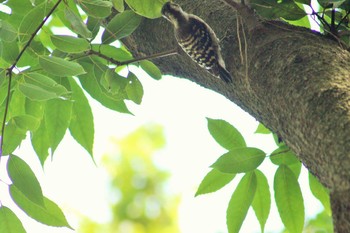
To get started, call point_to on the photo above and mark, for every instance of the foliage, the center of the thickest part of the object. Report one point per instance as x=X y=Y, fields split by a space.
x=45 y=76
x=253 y=189
x=140 y=187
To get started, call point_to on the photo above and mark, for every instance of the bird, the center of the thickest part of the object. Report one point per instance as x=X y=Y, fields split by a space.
x=197 y=40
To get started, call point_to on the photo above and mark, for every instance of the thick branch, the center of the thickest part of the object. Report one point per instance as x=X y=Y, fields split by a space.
x=295 y=81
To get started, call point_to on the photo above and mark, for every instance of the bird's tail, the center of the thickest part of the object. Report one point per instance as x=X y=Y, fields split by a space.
x=224 y=74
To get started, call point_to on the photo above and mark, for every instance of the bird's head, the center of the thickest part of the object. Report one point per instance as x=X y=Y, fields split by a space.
x=173 y=12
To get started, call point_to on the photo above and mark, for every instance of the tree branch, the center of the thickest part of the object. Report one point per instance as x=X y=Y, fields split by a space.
x=10 y=69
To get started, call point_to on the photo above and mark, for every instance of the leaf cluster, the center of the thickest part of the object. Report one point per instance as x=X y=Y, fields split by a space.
x=52 y=54
x=253 y=189
x=332 y=16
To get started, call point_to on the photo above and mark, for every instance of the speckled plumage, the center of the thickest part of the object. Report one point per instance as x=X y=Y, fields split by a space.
x=197 y=39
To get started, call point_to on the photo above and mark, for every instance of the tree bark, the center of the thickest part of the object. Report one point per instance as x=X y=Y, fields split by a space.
x=295 y=81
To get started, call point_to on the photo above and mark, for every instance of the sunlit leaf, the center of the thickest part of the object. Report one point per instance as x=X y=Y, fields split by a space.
x=147 y=8
x=41 y=142
x=96 y=8
x=320 y=192
x=50 y=215
x=240 y=202
x=31 y=21
x=262 y=129
x=225 y=134
x=9 y=51
x=134 y=89
x=118 y=5
x=122 y=25
x=77 y=24
x=70 y=44
x=82 y=124
x=151 y=69
x=26 y=122
x=273 y=9
x=214 y=181
x=60 y=67
x=262 y=199
x=117 y=54
x=57 y=118
x=283 y=155
x=13 y=137
x=25 y=180
x=240 y=160
x=289 y=200
x=9 y=222
x=7 y=32
x=40 y=87
x=91 y=83
x=113 y=82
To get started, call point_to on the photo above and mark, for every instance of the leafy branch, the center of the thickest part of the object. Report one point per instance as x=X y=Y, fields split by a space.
x=118 y=63
x=10 y=70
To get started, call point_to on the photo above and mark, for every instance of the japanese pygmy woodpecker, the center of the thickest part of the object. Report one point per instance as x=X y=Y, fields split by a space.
x=197 y=39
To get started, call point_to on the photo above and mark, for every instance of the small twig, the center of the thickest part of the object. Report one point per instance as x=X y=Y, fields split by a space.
x=10 y=69
x=341 y=21
x=34 y=34
x=321 y=19
x=118 y=63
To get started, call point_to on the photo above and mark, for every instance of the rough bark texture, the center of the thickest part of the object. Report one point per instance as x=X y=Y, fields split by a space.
x=296 y=82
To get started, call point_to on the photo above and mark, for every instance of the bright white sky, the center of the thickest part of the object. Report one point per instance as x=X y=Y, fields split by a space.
x=79 y=187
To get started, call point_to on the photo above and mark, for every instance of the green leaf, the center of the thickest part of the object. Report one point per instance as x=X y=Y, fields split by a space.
x=9 y=51
x=113 y=82
x=9 y=222
x=240 y=160
x=93 y=25
x=147 y=8
x=262 y=199
x=91 y=83
x=32 y=19
x=122 y=25
x=13 y=136
x=225 y=134
x=134 y=89
x=17 y=103
x=289 y=200
x=50 y=215
x=26 y=122
x=118 y=5
x=96 y=8
x=214 y=181
x=70 y=44
x=40 y=87
x=240 y=202
x=60 y=67
x=283 y=155
x=320 y=192
x=262 y=129
x=151 y=69
x=77 y=24
x=272 y=9
x=296 y=168
x=118 y=54
x=24 y=179
x=41 y=142
x=34 y=108
x=57 y=118
x=82 y=123
x=7 y=32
